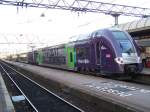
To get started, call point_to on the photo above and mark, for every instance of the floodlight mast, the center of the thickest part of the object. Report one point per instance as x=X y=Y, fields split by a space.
x=84 y=6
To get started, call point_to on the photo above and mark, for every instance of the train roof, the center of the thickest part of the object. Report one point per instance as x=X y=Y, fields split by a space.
x=79 y=37
x=55 y=46
x=110 y=29
x=87 y=36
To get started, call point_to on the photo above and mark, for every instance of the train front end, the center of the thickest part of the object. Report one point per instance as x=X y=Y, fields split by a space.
x=128 y=58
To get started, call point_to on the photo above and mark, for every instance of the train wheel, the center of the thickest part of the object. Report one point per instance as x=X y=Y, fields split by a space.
x=78 y=69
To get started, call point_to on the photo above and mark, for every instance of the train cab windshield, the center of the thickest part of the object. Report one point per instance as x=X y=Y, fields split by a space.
x=124 y=42
x=126 y=47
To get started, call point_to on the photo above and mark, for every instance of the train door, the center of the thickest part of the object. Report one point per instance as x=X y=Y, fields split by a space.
x=71 y=58
x=98 y=53
x=106 y=58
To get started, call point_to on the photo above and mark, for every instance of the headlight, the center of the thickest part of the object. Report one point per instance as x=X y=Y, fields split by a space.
x=139 y=60
x=119 y=60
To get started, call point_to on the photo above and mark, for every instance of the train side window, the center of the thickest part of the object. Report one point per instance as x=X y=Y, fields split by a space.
x=98 y=50
x=46 y=54
x=92 y=35
x=96 y=34
x=98 y=53
x=82 y=52
x=71 y=57
x=50 y=52
x=54 y=52
x=58 y=51
x=99 y=33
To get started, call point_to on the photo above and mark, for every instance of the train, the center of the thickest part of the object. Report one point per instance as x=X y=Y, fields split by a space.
x=107 y=51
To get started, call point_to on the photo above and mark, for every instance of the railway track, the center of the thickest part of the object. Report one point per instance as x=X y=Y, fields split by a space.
x=139 y=78
x=41 y=99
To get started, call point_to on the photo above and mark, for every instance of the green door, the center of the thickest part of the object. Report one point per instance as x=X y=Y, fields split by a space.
x=71 y=57
x=39 y=58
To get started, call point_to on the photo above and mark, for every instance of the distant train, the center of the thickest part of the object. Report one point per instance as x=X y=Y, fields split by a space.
x=105 y=51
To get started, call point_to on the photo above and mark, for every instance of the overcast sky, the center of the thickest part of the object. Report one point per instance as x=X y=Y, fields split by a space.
x=26 y=25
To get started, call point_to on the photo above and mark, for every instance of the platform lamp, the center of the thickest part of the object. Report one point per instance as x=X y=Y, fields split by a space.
x=116 y=16
x=42 y=15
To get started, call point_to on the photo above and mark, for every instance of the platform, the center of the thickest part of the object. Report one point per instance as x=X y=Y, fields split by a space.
x=5 y=100
x=146 y=71
x=115 y=96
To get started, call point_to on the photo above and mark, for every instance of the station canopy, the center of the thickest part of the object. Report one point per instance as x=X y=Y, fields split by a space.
x=141 y=24
x=22 y=39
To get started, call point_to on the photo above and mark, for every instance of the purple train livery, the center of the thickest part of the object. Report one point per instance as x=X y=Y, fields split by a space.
x=105 y=51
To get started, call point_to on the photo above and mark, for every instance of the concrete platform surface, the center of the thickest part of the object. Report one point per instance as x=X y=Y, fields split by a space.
x=129 y=95
x=146 y=71
x=5 y=100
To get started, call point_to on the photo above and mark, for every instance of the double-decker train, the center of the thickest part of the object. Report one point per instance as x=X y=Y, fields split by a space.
x=105 y=51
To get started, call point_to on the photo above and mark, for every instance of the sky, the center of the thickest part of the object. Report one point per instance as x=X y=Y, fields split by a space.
x=25 y=25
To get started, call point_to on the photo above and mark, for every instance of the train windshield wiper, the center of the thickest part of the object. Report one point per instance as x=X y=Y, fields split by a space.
x=129 y=51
